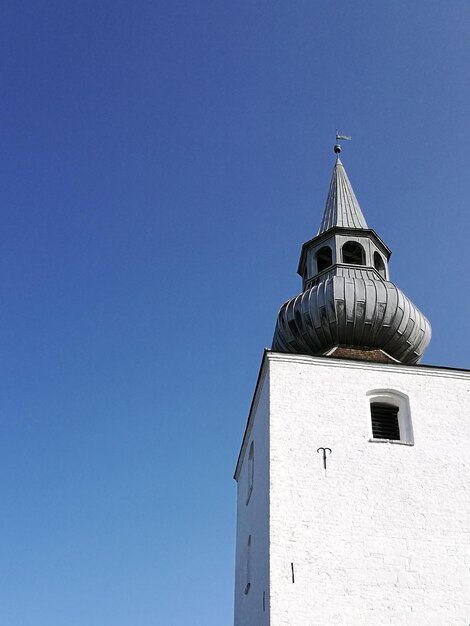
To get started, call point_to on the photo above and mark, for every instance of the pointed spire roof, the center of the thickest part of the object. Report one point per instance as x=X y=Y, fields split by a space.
x=342 y=208
x=348 y=303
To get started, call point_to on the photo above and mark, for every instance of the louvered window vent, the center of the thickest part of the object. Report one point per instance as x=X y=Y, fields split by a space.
x=385 y=423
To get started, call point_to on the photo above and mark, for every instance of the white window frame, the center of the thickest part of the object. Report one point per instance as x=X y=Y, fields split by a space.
x=402 y=402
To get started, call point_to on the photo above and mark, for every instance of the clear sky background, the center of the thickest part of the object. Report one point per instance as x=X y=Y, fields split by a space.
x=161 y=165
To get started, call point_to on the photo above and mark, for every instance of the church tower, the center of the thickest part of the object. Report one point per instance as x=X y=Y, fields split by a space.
x=353 y=505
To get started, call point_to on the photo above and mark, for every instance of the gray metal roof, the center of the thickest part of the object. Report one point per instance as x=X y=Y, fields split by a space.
x=349 y=302
x=342 y=207
x=356 y=312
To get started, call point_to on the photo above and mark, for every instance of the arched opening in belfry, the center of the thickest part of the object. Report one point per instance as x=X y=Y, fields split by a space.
x=324 y=258
x=379 y=265
x=353 y=253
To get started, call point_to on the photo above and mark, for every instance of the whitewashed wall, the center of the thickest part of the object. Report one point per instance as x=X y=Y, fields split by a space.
x=383 y=538
x=253 y=518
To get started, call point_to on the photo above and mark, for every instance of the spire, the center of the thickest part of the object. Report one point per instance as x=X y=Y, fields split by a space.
x=348 y=304
x=342 y=208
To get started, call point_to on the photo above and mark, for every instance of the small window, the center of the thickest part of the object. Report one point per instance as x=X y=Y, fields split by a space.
x=390 y=417
x=248 y=565
x=251 y=471
x=324 y=258
x=379 y=264
x=353 y=253
x=384 y=421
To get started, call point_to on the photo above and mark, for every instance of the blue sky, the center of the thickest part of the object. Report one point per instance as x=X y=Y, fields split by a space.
x=162 y=163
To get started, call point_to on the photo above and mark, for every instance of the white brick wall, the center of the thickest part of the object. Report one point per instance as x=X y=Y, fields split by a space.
x=383 y=538
x=253 y=518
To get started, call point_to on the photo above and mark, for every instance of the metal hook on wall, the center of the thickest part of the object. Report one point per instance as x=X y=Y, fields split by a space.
x=324 y=455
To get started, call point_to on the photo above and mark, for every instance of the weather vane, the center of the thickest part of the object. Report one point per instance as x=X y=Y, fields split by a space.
x=339 y=137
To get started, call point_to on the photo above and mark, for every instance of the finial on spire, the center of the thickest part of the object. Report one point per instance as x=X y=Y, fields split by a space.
x=339 y=137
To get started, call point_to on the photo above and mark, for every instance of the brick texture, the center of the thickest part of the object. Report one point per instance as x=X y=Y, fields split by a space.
x=382 y=538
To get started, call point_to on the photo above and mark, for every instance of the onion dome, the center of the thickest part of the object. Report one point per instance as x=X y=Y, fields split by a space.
x=349 y=307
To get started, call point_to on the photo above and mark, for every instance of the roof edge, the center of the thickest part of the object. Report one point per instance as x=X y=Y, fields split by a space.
x=417 y=368
x=253 y=405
